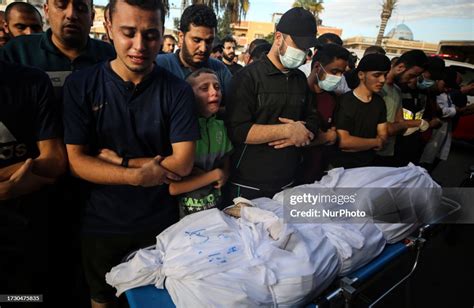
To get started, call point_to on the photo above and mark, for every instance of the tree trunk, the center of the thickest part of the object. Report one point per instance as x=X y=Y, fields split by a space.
x=184 y=5
x=383 y=24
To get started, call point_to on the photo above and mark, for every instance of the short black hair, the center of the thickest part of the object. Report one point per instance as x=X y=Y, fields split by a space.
x=217 y=48
x=413 y=58
x=23 y=7
x=168 y=36
x=200 y=15
x=229 y=39
x=328 y=38
x=260 y=51
x=436 y=66
x=328 y=53
x=450 y=77
x=147 y=5
x=255 y=43
x=374 y=49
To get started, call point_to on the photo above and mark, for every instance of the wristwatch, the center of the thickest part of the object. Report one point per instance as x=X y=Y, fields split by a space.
x=124 y=162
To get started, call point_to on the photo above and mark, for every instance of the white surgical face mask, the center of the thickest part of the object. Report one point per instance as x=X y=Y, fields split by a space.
x=292 y=58
x=330 y=82
x=425 y=84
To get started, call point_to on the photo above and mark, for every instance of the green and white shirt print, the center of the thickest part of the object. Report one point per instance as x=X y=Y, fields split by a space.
x=210 y=149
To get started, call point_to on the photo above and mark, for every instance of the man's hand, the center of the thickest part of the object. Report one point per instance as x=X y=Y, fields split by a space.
x=379 y=143
x=297 y=135
x=424 y=125
x=22 y=182
x=153 y=174
x=330 y=136
x=110 y=157
x=221 y=177
x=468 y=89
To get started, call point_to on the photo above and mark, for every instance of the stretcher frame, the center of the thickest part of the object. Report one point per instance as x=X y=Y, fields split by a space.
x=349 y=287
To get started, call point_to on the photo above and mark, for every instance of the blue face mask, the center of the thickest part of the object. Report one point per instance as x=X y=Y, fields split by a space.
x=425 y=84
x=330 y=82
x=292 y=58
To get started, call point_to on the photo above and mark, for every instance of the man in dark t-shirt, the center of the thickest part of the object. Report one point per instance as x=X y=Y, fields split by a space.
x=130 y=128
x=65 y=47
x=32 y=156
x=328 y=65
x=361 y=115
x=228 y=54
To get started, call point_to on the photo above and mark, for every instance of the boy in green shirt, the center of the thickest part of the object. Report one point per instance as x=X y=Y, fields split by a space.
x=202 y=189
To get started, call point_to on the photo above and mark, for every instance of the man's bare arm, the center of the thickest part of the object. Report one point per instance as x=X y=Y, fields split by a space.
x=98 y=171
x=178 y=162
x=182 y=160
x=7 y=172
x=348 y=143
x=52 y=161
x=400 y=124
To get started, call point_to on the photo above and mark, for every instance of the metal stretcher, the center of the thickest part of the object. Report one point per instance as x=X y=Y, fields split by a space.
x=345 y=290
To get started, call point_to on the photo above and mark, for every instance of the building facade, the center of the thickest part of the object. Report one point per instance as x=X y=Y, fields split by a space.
x=390 y=45
x=247 y=31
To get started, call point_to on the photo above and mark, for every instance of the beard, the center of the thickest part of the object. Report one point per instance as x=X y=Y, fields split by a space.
x=188 y=57
x=398 y=79
x=229 y=58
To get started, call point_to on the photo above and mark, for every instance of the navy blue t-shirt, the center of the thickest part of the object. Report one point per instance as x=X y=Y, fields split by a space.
x=28 y=113
x=103 y=111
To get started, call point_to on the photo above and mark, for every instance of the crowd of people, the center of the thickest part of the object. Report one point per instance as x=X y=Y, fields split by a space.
x=124 y=137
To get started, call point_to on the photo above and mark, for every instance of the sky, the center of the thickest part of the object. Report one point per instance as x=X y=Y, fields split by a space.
x=429 y=20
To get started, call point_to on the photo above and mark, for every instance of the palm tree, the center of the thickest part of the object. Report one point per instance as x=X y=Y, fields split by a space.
x=236 y=8
x=166 y=4
x=388 y=7
x=314 y=6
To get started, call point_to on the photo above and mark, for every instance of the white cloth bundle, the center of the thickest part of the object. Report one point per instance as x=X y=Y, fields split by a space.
x=266 y=262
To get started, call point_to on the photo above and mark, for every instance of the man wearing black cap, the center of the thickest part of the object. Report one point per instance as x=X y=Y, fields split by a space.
x=361 y=116
x=269 y=114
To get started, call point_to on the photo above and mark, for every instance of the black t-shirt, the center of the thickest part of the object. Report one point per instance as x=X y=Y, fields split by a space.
x=360 y=120
x=28 y=113
x=234 y=67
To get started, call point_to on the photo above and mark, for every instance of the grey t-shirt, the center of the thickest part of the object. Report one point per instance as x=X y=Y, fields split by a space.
x=392 y=95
